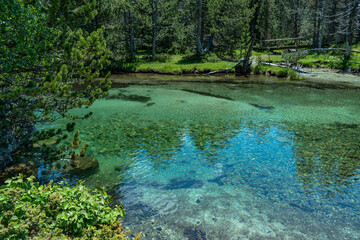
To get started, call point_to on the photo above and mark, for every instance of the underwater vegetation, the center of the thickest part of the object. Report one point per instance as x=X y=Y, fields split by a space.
x=327 y=157
x=193 y=164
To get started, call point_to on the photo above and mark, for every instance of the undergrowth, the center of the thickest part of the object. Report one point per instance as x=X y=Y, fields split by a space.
x=57 y=211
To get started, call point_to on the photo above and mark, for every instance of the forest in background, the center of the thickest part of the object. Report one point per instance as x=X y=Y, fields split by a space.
x=227 y=28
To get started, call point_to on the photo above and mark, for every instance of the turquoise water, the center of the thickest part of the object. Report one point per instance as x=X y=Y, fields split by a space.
x=229 y=160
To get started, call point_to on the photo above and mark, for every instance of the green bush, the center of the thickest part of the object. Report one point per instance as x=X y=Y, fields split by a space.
x=283 y=72
x=259 y=69
x=294 y=76
x=57 y=211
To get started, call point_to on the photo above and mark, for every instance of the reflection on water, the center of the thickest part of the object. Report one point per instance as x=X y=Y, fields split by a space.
x=221 y=161
x=328 y=157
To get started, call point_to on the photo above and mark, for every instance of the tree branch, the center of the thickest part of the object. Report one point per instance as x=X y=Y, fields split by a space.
x=228 y=69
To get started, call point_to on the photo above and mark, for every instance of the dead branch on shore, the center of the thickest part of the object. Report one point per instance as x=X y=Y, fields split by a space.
x=330 y=49
x=228 y=69
x=282 y=66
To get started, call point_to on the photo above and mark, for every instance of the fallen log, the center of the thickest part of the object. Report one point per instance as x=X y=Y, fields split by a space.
x=330 y=49
x=283 y=66
x=228 y=69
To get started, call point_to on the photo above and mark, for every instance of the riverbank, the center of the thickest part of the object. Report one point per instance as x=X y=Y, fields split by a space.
x=317 y=78
x=179 y=64
x=192 y=64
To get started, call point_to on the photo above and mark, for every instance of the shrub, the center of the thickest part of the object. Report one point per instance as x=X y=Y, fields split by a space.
x=258 y=69
x=282 y=72
x=57 y=211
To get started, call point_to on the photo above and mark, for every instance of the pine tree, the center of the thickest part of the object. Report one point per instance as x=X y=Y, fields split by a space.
x=48 y=66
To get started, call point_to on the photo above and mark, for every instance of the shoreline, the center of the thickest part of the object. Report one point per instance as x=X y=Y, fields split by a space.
x=322 y=78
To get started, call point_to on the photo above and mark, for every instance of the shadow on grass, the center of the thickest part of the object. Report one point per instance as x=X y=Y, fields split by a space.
x=191 y=59
x=123 y=66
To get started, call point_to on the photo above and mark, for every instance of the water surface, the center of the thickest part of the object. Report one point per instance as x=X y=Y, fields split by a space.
x=229 y=160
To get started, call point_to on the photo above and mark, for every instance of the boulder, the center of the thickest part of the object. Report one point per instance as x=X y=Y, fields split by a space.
x=82 y=165
x=26 y=170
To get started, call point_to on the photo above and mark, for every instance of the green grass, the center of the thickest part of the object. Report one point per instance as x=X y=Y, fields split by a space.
x=261 y=52
x=181 y=63
x=327 y=59
x=276 y=71
x=176 y=64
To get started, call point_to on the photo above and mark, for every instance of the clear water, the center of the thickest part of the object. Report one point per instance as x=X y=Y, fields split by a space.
x=230 y=160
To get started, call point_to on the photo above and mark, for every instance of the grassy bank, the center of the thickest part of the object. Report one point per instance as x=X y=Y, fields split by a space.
x=326 y=59
x=276 y=71
x=174 y=64
x=192 y=64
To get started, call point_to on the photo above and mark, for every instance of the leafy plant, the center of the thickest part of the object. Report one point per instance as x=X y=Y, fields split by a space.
x=57 y=211
x=282 y=72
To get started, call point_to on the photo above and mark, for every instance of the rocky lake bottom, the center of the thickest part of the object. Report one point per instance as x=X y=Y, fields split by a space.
x=193 y=160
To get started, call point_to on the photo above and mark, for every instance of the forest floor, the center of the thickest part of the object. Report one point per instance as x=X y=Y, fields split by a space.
x=176 y=64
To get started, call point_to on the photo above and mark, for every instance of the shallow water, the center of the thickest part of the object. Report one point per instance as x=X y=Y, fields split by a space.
x=229 y=160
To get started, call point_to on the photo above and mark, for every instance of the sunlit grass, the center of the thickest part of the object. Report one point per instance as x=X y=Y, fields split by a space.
x=181 y=63
x=177 y=63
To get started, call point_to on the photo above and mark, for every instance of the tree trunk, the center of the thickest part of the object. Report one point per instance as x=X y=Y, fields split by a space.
x=316 y=25
x=209 y=43
x=199 y=49
x=132 y=38
x=332 y=29
x=130 y=35
x=246 y=65
x=322 y=21
x=351 y=28
x=296 y=21
x=154 y=7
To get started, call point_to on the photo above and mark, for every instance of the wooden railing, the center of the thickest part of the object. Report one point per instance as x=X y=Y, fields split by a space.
x=283 y=43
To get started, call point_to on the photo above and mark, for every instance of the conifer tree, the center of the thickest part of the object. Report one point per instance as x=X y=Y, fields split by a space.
x=49 y=64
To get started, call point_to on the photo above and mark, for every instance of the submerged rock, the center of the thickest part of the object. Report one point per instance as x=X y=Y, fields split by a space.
x=195 y=233
x=134 y=98
x=218 y=180
x=339 y=125
x=121 y=167
x=26 y=170
x=208 y=94
x=178 y=183
x=82 y=165
x=262 y=107
x=150 y=104
x=302 y=207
